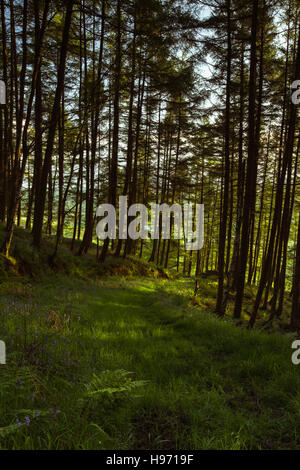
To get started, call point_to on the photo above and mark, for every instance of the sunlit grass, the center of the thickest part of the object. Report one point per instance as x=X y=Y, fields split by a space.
x=208 y=384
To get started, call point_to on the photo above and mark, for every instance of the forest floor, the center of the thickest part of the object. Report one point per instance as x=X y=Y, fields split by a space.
x=119 y=362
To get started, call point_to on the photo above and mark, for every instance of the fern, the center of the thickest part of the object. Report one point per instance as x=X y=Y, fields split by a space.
x=112 y=383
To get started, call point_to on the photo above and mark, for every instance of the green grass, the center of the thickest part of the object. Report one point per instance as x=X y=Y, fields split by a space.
x=120 y=356
x=195 y=382
x=27 y=261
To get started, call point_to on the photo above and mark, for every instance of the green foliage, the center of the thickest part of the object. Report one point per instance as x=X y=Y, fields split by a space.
x=112 y=385
x=26 y=260
x=197 y=382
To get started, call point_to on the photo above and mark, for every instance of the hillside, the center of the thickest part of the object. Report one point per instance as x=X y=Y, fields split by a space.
x=125 y=359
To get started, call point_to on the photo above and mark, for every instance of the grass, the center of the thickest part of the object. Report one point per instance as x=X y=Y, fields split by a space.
x=195 y=382
x=102 y=361
x=26 y=261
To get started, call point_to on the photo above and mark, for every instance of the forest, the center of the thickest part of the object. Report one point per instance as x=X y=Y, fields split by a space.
x=142 y=343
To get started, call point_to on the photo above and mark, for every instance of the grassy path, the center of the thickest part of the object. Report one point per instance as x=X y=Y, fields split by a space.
x=209 y=384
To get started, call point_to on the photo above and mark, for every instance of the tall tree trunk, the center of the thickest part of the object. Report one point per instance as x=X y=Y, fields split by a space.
x=288 y=154
x=113 y=174
x=295 y=316
x=40 y=201
x=223 y=226
x=251 y=168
